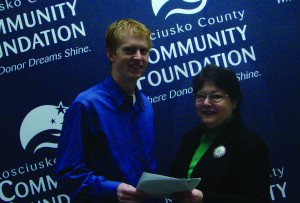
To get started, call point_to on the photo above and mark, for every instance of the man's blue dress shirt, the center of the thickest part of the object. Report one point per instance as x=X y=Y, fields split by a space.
x=105 y=140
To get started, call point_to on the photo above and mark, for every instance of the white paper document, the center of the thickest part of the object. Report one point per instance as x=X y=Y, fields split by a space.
x=163 y=186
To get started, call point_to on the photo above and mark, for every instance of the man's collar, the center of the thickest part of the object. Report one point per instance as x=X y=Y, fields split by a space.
x=118 y=94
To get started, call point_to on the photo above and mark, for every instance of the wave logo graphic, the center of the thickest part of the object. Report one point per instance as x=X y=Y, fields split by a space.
x=157 y=5
x=41 y=127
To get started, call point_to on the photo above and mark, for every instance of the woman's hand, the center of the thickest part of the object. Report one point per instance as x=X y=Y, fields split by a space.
x=128 y=194
x=194 y=196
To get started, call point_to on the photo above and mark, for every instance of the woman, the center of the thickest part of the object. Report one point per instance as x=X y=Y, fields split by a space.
x=231 y=160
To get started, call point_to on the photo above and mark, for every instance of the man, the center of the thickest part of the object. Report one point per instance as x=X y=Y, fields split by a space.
x=107 y=138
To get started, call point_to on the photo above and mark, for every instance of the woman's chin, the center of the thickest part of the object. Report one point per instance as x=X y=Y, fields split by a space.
x=209 y=122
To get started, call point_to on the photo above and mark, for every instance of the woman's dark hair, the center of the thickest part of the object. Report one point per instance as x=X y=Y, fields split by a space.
x=223 y=78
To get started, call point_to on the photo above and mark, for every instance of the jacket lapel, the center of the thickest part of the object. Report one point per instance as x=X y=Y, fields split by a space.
x=225 y=139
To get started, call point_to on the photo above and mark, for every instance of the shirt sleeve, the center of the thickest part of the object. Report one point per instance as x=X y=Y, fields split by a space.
x=72 y=172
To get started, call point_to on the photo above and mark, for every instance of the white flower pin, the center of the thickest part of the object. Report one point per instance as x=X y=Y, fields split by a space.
x=219 y=151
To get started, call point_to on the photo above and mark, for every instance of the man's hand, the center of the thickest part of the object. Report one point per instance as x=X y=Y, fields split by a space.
x=128 y=194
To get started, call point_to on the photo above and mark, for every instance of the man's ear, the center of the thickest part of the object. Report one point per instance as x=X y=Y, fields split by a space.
x=110 y=55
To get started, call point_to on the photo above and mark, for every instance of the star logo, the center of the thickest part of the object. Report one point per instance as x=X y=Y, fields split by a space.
x=41 y=127
x=61 y=108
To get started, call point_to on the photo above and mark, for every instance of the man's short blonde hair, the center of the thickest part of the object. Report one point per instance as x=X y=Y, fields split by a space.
x=125 y=27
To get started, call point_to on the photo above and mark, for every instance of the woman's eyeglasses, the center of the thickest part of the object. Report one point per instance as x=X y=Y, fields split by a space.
x=214 y=97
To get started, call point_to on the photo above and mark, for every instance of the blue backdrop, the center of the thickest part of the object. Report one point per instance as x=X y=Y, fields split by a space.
x=52 y=50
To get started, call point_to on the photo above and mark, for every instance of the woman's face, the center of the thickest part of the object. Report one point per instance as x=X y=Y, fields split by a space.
x=213 y=105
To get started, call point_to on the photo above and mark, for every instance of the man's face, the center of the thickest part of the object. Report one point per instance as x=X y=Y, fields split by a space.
x=130 y=60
